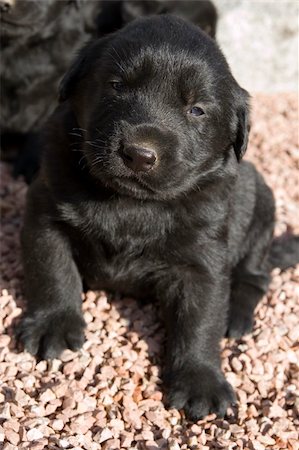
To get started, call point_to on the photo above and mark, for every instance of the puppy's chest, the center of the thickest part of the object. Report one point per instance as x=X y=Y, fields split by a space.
x=115 y=243
x=123 y=225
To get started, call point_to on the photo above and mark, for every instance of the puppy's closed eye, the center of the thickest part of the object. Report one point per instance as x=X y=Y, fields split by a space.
x=117 y=85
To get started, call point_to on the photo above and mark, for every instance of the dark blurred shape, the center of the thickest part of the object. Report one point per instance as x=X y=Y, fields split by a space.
x=39 y=39
x=24 y=151
x=116 y=14
x=110 y=18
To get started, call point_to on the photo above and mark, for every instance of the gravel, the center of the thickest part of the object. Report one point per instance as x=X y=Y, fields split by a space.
x=109 y=395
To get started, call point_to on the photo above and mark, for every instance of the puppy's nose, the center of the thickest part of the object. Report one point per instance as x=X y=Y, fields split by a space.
x=138 y=158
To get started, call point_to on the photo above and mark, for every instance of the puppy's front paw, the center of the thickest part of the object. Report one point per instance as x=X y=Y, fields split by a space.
x=47 y=334
x=239 y=324
x=200 y=391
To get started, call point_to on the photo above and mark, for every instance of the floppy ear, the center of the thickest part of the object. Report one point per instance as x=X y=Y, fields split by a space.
x=77 y=70
x=243 y=126
x=87 y=58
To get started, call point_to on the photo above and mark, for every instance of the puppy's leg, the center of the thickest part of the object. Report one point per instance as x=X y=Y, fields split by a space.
x=251 y=276
x=195 y=306
x=53 y=287
x=250 y=282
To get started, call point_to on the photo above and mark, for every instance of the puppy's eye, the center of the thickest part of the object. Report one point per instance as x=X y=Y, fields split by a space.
x=118 y=86
x=196 y=111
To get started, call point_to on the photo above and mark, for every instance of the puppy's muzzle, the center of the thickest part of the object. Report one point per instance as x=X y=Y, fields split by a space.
x=138 y=158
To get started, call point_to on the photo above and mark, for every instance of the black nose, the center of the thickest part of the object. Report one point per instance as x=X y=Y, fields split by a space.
x=138 y=158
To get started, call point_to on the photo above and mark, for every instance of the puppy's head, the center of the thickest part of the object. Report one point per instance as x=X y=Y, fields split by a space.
x=159 y=106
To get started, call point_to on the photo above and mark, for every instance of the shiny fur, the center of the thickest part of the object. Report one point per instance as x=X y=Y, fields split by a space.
x=193 y=232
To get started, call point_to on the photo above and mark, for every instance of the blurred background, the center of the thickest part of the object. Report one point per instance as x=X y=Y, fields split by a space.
x=260 y=40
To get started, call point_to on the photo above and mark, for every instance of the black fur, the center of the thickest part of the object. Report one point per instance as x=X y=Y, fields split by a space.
x=193 y=231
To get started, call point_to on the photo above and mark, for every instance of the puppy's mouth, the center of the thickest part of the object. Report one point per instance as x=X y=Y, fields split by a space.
x=129 y=186
x=109 y=167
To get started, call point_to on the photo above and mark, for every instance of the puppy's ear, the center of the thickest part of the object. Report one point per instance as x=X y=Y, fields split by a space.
x=73 y=75
x=81 y=67
x=243 y=125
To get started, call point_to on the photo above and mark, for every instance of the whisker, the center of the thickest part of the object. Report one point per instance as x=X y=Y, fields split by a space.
x=98 y=143
x=75 y=134
x=80 y=161
x=92 y=144
x=115 y=60
x=80 y=129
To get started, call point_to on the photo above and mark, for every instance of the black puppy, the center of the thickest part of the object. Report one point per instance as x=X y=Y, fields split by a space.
x=142 y=191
